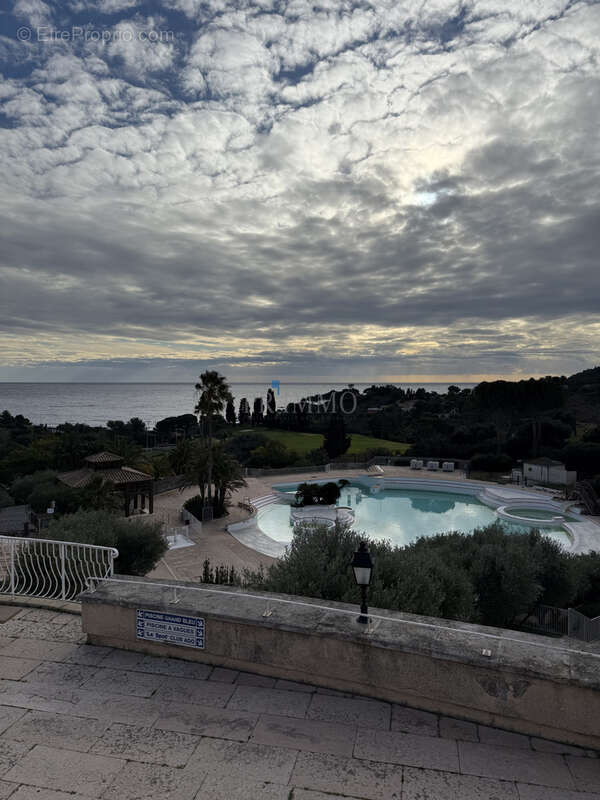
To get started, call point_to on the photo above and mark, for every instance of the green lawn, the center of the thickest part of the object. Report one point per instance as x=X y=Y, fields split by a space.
x=303 y=443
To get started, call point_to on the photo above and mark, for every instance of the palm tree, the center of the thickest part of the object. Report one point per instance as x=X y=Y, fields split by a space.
x=214 y=394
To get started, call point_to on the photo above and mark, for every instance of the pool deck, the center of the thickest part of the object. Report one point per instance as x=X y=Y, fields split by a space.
x=79 y=721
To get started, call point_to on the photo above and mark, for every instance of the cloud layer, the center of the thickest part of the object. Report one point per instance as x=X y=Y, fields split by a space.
x=357 y=189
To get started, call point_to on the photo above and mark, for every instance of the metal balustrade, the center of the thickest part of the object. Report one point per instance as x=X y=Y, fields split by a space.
x=49 y=569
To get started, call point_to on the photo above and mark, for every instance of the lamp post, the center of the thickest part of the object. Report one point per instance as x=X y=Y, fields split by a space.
x=362 y=566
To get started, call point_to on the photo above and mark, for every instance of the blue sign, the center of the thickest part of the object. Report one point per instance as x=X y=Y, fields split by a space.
x=275 y=385
x=157 y=626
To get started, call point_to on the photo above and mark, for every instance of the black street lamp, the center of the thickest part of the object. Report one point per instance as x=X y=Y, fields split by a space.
x=362 y=566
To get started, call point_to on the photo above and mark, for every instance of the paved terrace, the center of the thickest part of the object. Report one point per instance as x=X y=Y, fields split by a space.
x=78 y=721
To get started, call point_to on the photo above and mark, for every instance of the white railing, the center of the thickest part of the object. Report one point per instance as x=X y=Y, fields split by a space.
x=50 y=569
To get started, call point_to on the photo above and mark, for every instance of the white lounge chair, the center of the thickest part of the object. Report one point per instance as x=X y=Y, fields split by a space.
x=433 y=465
x=419 y=464
x=413 y=463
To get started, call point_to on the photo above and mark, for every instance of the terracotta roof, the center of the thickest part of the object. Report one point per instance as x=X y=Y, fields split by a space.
x=80 y=478
x=103 y=457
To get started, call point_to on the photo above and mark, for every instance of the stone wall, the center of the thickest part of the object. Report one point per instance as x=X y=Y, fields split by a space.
x=516 y=681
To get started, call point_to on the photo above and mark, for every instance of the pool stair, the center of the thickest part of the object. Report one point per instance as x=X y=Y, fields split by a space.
x=265 y=500
x=375 y=469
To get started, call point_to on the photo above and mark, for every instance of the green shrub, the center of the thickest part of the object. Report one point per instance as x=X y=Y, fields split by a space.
x=493 y=577
x=140 y=542
x=67 y=500
x=195 y=505
x=322 y=494
x=22 y=488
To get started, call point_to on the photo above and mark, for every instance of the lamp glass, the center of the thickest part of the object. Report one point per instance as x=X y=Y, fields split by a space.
x=362 y=575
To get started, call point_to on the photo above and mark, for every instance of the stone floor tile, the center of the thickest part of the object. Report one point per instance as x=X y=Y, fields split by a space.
x=223 y=788
x=56 y=730
x=121 y=659
x=333 y=692
x=516 y=764
x=223 y=675
x=548 y=746
x=45 y=631
x=138 y=743
x=35 y=793
x=407 y=749
x=118 y=708
x=6 y=789
x=305 y=734
x=350 y=711
x=174 y=667
x=14 y=669
x=56 y=699
x=426 y=784
x=269 y=701
x=251 y=762
x=38 y=649
x=529 y=792
x=294 y=686
x=586 y=772
x=126 y=682
x=9 y=715
x=11 y=753
x=188 y=690
x=347 y=777
x=66 y=770
x=249 y=679
x=496 y=736
x=451 y=728
x=310 y=794
x=39 y=614
x=412 y=720
x=219 y=723
x=88 y=654
x=138 y=781
x=55 y=672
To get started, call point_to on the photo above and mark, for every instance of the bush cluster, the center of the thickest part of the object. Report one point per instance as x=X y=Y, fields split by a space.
x=140 y=542
x=492 y=577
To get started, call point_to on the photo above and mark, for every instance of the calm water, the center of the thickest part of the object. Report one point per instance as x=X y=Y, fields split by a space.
x=96 y=403
x=401 y=515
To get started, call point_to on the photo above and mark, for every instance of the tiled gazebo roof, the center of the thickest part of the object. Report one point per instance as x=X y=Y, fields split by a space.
x=121 y=476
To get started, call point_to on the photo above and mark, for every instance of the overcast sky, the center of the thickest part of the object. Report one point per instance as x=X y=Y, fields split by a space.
x=361 y=190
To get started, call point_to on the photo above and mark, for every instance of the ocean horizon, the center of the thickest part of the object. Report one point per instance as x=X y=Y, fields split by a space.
x=95 y=403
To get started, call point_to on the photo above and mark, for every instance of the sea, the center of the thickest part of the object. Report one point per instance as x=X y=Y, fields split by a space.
x=96 y=403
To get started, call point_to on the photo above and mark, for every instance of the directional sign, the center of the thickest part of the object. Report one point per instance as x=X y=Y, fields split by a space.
x=157 y=626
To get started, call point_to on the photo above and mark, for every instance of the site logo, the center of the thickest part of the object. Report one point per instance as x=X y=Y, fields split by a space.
x=345 y=403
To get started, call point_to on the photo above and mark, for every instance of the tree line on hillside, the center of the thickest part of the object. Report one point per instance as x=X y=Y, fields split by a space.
x=495 y=424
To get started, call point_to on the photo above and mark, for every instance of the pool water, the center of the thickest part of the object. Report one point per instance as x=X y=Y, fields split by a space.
x=400 y=515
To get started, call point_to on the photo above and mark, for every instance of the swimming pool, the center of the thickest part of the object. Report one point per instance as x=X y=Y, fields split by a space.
x=400 y=515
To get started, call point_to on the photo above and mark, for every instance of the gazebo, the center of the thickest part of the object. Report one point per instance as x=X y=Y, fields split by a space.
x=135 y=486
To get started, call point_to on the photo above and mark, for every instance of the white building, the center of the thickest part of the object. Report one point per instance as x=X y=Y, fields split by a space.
x=547 y=472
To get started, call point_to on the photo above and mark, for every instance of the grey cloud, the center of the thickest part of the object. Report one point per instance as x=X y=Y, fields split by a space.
x=254 y=226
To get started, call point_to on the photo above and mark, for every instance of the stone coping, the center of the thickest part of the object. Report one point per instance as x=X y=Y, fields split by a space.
x=519 y=653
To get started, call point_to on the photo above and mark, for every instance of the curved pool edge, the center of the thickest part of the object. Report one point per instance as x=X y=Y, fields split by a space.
x=582 y=536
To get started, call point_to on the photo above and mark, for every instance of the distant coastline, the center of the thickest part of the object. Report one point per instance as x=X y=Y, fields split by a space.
x=95 y=403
